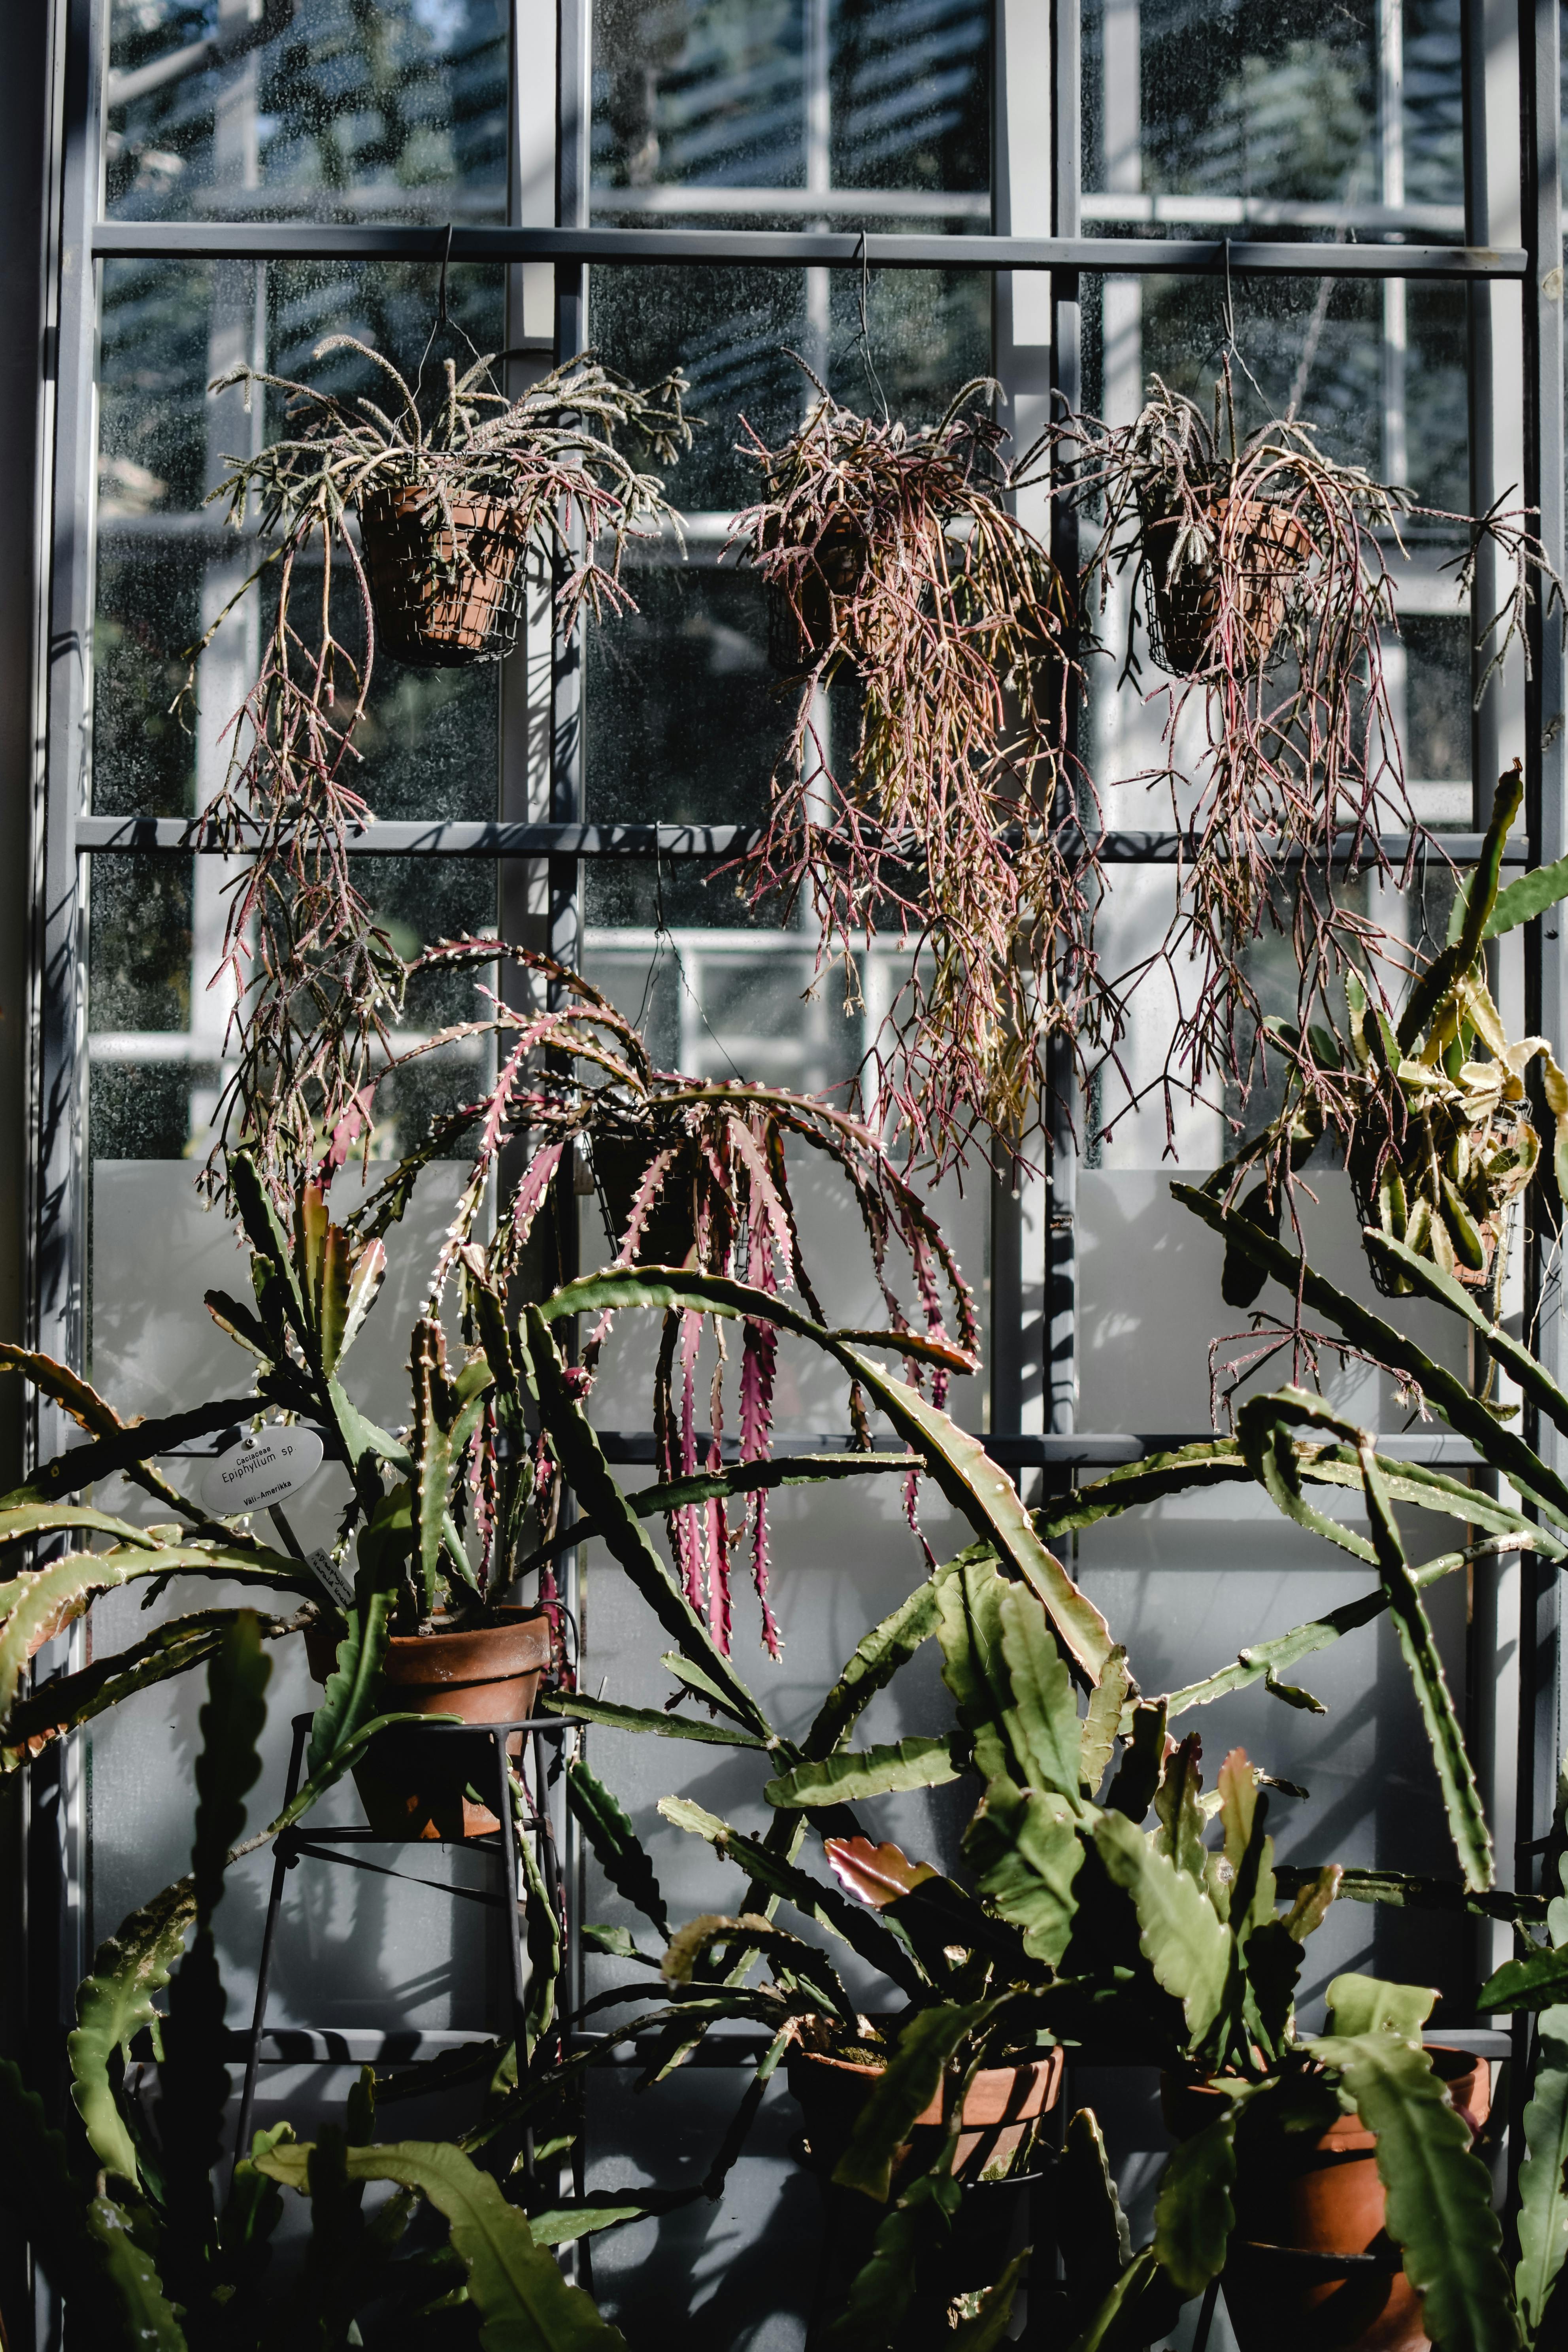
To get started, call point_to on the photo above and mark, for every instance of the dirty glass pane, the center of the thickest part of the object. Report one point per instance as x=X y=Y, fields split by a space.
x=313 y=107
x=1271 y=115
x=794 y=109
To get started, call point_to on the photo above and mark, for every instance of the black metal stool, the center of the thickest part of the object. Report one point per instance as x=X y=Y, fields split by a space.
x=293 y=1845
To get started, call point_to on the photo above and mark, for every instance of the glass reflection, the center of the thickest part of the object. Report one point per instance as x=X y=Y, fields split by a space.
x=814 y=100
x=1338 y=118
x=315 y=107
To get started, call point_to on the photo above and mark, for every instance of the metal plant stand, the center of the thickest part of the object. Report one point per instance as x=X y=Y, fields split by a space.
x=294 y=1845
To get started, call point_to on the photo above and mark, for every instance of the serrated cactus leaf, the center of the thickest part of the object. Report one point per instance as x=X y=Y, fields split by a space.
x=1440 y=2194
x=522 y=2302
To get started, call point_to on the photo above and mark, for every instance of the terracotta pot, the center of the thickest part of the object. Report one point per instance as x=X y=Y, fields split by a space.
x=800 y=616
x=442 y=591
x=1182 y=612
x=414 y=1785
x=1001 y=2109
x=1300 y=2204
x=620 y=1166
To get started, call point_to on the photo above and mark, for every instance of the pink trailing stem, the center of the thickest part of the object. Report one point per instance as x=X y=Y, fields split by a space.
x=759 y=1361
x=717 y=1527
x=484 y=1485
x=688 y=1540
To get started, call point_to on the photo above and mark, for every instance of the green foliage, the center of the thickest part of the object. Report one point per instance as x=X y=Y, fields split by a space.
x=1194 y=2211
x=617 y=1847
x=1543 y=2176
x=912 y=2078
x=1183 y=1941
x=522 y=2302
x=1359 y=2005
x=114 y=2003
x=882 y=2290
x=1440 y=2194
x=852 y=1774
x=1096 y=2244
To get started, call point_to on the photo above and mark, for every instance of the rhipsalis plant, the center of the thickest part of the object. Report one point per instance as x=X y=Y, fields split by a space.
x=944 y=808
x=471 y=486
x=1266 y=572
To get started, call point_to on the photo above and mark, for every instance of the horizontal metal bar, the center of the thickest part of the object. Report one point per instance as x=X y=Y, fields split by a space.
x=795 y=249
x=1267 y=212
x=1030 y=1449
x=1091 y=1450
x=438 y=837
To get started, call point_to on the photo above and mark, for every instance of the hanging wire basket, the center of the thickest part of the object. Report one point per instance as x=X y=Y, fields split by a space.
x=800 y=605
x=445 y=578
x=1183 y=606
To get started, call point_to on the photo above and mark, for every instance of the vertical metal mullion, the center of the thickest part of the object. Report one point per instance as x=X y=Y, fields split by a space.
x=1066 y=388
x=574 y=130
x=1484 y=720
x=1546 y=774
x=54 y=1890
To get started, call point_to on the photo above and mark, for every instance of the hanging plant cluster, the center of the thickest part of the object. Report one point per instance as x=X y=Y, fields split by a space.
x=944 y=805
x=691 y=1174
x=426 y=509
x=1263 y=568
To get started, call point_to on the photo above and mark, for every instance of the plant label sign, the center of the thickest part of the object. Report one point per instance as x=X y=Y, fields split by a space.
x=333 y=1577
x=261 y=1470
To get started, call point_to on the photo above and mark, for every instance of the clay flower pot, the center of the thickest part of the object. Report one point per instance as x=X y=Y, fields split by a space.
x=1183 y=608
x=1001 y=2110
x=442 y=591
x=1309 y=2268
x=415 y=1785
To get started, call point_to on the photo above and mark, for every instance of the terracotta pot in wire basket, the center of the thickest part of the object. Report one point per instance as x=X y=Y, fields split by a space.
x=1310 y=2267
x=1183 y=607
x=416 y=1787
x=800 y=610
x=443 y=577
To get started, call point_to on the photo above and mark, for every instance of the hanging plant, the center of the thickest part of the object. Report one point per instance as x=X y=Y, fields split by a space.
x=1263 y=568
x=943 y=805
x=427 y=510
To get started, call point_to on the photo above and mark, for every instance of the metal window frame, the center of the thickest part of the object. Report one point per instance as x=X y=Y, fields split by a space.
x=83 y=239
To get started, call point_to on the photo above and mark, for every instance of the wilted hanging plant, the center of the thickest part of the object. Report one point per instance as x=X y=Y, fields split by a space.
x=691 y=1173
x=1263 y=565
x=447 y=500
x=896 y=569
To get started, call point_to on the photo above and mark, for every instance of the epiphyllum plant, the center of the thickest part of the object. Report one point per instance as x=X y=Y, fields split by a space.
x=1265 y=568
x=693 y=1171
x=897 y=568
x=455 y=491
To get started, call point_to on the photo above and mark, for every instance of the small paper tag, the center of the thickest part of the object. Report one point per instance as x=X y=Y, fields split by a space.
x=333 y=1577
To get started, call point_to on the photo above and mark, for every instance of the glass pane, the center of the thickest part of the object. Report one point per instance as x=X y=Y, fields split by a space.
x=168 y=564
x=1284 y=115
x=792 y=109
x=314 y=107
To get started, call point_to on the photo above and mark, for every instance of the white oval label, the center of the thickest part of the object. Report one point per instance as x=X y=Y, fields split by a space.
x=265 y=1469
